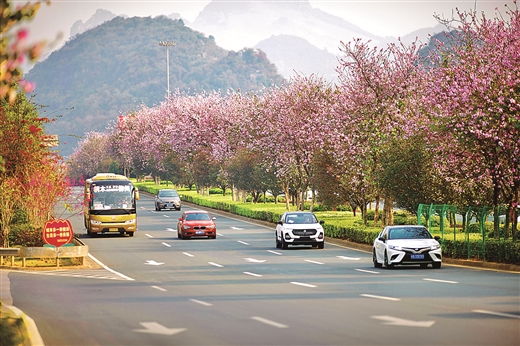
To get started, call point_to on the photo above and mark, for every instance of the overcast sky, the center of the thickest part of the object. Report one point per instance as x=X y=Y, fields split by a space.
x=379 y=17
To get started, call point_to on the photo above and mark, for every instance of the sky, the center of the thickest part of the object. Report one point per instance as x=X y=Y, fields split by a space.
x=379 y=17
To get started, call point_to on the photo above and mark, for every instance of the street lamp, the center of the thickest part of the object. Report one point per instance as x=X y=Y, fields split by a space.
x=167 y=44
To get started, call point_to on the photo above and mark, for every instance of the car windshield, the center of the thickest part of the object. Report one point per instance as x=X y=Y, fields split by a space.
x=197 y=216
x=300 y=218
x=171 y=193
x=409 y=233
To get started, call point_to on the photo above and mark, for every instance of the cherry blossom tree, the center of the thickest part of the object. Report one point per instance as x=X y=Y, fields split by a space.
x=288 y=126
x=378 y=100
x=475 y=98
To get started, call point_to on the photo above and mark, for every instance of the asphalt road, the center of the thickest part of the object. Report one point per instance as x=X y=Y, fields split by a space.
x=238 y=289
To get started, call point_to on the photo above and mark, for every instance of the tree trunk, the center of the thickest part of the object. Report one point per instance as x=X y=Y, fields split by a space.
x=376 y=212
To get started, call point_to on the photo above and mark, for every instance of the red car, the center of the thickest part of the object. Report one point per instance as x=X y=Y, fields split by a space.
x=196 y=223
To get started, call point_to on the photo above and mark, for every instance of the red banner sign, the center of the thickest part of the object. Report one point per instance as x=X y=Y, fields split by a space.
x=58 y=232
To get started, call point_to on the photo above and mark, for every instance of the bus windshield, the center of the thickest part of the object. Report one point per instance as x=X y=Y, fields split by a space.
x=111 y=196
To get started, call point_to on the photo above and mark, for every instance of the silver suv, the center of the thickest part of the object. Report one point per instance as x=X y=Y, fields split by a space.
x=167 y=199
x=299 y=228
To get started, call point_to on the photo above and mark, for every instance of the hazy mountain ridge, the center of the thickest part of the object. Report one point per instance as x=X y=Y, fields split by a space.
x=292 y=54
x=98 y=18
x=262 y=20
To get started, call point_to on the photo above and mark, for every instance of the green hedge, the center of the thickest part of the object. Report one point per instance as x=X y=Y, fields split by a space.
x=491 y=250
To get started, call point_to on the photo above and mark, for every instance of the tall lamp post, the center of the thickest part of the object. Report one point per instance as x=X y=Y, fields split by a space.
x=167 y=44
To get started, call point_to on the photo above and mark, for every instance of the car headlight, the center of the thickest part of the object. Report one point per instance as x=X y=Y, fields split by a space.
x=210 y=226
x=395 y=247
x=95 y=222
x=435 y=246
x=186 y=226
x=130 y=221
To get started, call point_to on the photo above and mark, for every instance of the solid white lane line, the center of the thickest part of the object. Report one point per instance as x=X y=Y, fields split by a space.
x=315 y=262
x=443 y=281
x=252 y=274
x=254 y=260
x=188 y=254
x=148 y=235
x=166 y=216
x=171 y=230
x=380 y=297
x=302 y=284
x=201 y=302
x=367 y=271
x=159 y=288
x=215 y=264
x=275 y=252
x=166 y=244
x=237 y=228
x=219 y=234
x=349 y=258
x=110 y=270
x=242 y=242
x=269 y=322
x=496 y=313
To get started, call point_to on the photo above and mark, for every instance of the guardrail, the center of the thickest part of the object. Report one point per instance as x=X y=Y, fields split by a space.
x=44 y=252
x=8 y=252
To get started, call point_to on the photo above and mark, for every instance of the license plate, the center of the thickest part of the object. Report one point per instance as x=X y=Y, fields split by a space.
x=112 y=229
x=420 y=256
x=199 y=232
x=169 y=205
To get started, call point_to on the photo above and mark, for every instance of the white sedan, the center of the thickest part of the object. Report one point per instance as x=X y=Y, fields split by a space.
x=406 y=245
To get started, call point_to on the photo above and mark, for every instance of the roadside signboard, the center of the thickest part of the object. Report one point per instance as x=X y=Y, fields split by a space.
x=58 y=232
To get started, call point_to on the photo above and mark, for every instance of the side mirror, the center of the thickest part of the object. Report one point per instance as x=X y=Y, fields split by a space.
x=381 y=239
x=213 y=218
x=322 y=222
x=280 y=223
x=437 y=238
x=136 y=193
x=180 y=219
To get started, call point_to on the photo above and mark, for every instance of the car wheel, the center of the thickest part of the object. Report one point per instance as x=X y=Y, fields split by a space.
x=436 y=265
x=387 y=266
x=179 y=234
x=321 y=245
x=157 y=208
x=284 y=244
x=374 y=259
x=130 y=234
x=213 y=237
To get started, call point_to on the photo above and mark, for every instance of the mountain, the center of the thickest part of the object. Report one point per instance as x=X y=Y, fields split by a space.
x=238 y=24
x=115 y=67
x=423 y=35
x=292 y=54
x=98 y=18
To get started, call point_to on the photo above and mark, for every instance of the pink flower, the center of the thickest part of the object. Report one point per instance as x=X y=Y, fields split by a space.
x=22 y=34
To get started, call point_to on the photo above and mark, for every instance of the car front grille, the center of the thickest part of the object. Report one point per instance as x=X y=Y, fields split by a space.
x=409 y=250
x=199 y=227
x=304 y=232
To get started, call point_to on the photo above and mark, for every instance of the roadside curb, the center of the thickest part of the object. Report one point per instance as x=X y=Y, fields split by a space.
x=33 y=334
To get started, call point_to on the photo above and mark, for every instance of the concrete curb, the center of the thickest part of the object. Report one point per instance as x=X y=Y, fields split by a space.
x=33 y=334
